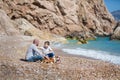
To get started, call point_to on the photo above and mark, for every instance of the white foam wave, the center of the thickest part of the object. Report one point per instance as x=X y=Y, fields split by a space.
x=94 y=54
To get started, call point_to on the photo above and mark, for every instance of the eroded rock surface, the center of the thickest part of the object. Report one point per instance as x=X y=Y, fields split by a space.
x=6 y=25
x=116 y=34
x=63 y=17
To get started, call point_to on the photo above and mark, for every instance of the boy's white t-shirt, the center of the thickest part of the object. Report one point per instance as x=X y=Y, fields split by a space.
x=46 y=50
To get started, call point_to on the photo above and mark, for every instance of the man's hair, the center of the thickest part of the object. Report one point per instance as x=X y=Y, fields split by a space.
x=47 y=42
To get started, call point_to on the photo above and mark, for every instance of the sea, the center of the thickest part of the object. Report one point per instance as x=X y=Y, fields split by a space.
x=102 y=48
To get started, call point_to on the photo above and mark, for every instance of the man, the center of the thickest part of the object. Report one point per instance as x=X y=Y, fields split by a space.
x=33 y=54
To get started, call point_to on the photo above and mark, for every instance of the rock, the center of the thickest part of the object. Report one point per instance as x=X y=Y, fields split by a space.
x=6 y=26
x=63 y=17
x=66 y=11
x=96 y=17
x=49 y=5
x=116 y=33
x=81 y=36
x=28 y=29
x=73 y=28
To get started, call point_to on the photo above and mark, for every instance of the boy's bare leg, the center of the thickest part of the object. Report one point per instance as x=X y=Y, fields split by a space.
x=46 y=57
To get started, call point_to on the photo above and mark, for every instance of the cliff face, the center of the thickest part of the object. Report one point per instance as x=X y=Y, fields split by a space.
x=6 y=25
x=116 y=33
x=63 y=17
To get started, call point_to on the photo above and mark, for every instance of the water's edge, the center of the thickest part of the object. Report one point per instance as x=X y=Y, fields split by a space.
x=102 y=49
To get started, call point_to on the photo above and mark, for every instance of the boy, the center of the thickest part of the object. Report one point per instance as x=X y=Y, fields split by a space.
x=46 y=49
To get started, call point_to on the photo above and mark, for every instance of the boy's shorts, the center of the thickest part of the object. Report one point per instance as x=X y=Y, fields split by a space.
x=50 y=55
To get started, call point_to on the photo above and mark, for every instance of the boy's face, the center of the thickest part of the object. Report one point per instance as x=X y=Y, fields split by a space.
x=46 y=45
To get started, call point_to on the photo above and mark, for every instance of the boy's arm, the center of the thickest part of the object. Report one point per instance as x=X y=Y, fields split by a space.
x=51 y=50
x=41 y=48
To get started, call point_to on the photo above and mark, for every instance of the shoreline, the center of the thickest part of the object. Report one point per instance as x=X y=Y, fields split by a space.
x=72 y=67
x=59 y=52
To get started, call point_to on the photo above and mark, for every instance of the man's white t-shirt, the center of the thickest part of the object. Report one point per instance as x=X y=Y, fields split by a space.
x=46 y=50
x=32 y=51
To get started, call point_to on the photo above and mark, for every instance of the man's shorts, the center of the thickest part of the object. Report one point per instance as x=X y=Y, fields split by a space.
x=35 y=58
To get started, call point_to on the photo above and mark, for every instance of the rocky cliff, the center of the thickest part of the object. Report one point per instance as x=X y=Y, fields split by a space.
x=83 y=18
x=116 y=33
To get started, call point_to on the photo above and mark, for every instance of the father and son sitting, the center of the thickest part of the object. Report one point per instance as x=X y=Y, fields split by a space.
x=34 y=54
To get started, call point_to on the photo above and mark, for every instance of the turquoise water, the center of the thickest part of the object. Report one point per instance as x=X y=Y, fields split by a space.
x=104 y=44
x=101 y=48
x=101 y=43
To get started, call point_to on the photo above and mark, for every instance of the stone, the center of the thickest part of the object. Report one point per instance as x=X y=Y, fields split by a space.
x=51 y=15
x=28 y=29
x=116 y=33
x=63 y=17
x=45 y=4
x=6 y=26
x=73 y=28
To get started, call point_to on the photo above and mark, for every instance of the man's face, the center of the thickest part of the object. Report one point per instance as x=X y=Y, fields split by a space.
x=37 y=43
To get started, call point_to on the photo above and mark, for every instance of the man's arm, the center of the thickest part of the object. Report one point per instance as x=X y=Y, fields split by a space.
x=37 y=50
x=41 y=48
